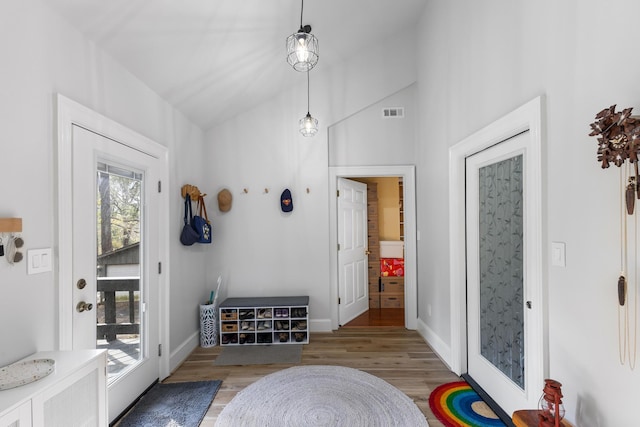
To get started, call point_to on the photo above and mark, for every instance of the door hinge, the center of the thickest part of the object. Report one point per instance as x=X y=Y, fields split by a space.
x=159 y=186
x=159 y=350
x=338 y=300
x=337 y=193
x=159 y=267
x=338 y=246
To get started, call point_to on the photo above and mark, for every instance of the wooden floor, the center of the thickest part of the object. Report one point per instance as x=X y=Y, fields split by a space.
x=378 y=317
x=398 y=356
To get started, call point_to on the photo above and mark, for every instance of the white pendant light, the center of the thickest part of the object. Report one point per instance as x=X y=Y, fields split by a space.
x=308 y=125
x=302 y=47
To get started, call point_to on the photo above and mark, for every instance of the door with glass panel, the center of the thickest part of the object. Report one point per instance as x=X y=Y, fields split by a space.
x=499 y=331
x=115 y=244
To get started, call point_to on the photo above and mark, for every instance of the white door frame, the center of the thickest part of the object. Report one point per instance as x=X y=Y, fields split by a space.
x=527 y=117
x=71 y=113
x=408 y=175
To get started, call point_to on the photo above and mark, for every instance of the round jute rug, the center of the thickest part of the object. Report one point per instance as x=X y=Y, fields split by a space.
x=321 y=396
x=456 y=404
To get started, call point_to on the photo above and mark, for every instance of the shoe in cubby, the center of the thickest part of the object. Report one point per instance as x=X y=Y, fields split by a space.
x=264 y=313
x=282 y=336
x=298 y=325
x=281 y=312
x=264 y=326
x=299 y=312
x=246 y=314
x=282 y=325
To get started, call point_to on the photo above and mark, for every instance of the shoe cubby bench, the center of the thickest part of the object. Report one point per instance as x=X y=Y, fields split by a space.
x=264 y=321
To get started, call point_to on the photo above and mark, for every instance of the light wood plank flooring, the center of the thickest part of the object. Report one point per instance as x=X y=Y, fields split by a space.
x=396 y=355
x=378 y=317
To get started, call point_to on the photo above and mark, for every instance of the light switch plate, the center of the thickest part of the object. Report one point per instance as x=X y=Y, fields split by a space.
x=558 y=254
x=38 y=260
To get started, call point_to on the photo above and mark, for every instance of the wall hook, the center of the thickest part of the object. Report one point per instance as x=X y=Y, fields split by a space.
x=192 y=191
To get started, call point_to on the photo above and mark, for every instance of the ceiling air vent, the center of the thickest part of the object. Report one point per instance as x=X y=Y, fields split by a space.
x=393 y=113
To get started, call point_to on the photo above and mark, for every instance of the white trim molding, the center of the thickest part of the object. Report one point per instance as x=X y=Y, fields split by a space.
x=408 y=174
x=68 y=114
x=525 y=118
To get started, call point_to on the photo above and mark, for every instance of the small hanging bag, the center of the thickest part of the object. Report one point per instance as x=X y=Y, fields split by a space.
x=201 y=223
x=188 y=236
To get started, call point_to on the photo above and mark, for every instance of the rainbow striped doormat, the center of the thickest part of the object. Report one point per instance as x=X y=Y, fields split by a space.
x=457 y=405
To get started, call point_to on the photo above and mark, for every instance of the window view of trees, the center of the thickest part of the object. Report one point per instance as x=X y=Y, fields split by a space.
x=118 y=209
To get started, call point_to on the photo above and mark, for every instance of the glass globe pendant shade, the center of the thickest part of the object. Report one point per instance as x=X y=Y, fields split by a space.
x=302 y=49
x=308 y=125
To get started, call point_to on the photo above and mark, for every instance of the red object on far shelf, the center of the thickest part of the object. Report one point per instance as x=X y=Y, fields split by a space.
x=392 y=267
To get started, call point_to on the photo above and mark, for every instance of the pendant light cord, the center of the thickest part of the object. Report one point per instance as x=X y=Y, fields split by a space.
x=301 y=10
x=308 y=92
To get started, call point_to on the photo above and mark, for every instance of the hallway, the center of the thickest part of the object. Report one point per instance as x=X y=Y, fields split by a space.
x=378 y=317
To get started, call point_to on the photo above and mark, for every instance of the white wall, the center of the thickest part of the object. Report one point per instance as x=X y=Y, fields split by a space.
x=42 y=55
x=481 y=60
x=257 y=248
x=366 y=138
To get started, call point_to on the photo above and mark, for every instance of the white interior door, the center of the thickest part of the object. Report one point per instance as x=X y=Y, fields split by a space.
x=115 y=261
x=501 y=334
x=353 y=291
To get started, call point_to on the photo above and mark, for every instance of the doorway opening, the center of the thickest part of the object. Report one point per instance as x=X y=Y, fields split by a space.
x=405 y=309
x=385 y=250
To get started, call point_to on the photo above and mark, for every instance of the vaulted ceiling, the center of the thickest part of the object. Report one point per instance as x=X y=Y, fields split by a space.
x=212 y=59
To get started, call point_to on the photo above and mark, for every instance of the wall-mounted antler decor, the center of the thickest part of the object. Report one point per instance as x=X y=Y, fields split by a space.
x=618 y=142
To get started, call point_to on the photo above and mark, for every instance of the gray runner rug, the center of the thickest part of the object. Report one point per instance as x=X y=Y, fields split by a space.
x=289 y=354
x=173 y=404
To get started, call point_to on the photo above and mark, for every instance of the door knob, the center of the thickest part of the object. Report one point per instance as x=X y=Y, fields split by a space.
x=81 y=284
x=83 y=306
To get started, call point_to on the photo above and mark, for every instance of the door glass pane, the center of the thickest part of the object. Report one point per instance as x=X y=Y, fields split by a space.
x=119 y=216
x=501 y=267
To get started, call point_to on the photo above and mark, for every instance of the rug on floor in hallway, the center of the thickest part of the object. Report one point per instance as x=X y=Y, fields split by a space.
x=456 y=404
x=173 y=404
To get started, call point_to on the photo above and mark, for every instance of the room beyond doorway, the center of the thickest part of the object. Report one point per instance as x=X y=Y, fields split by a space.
x=407 y=173
x=378 y=317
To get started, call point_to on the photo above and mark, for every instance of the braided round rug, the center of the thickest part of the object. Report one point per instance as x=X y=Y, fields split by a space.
x=456 y=404
x=321 y=396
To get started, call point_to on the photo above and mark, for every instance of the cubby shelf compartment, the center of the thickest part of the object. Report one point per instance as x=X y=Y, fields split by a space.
x=264 y=320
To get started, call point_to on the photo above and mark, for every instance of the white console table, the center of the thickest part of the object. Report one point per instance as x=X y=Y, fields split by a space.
x=73 y=395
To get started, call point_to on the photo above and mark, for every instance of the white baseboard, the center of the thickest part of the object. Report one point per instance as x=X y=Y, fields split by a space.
x=435 y=342
x=320 y=325
x=183 y=351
